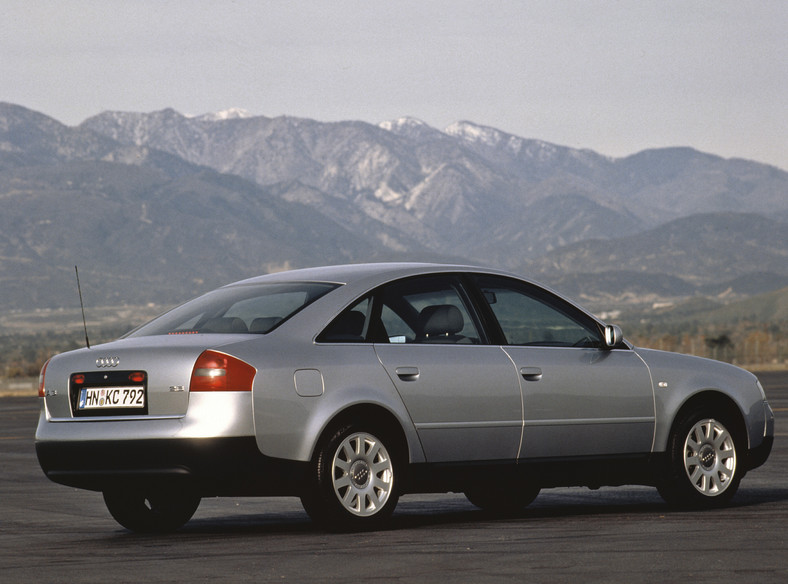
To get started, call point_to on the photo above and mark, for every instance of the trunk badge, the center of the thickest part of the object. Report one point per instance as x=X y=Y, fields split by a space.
x=107 y=361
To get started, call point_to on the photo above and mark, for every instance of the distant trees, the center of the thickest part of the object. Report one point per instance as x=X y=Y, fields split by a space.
x=23 y=355
x=720 y=346
x=743 y=343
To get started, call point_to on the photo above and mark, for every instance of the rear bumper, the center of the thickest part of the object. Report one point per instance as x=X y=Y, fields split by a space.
x=209 y=466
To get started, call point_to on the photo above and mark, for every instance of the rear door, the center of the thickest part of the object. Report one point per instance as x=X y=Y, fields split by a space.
x=462 y=395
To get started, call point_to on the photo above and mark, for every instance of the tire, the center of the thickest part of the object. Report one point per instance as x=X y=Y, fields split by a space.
x=151 y=511
x=704 y=461
x=507 y=499
x=354 y=481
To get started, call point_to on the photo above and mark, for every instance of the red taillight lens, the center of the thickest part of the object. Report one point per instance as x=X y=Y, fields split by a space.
x=41 y=376
x=137 y=377
x=216 y=371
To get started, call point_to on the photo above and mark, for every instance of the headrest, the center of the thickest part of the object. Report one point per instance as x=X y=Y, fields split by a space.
x=441 y=319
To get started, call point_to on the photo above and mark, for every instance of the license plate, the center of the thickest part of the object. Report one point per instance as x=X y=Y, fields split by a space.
x=100 y=398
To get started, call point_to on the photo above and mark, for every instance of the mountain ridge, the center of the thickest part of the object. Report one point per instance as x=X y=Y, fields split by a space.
x=472 y=174
x=251 y=193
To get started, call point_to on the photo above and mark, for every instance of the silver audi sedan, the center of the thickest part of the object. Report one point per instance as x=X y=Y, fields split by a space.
x=348 y=386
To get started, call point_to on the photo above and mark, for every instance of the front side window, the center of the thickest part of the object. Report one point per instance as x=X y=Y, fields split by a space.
x=250 y=308
x=530 y=316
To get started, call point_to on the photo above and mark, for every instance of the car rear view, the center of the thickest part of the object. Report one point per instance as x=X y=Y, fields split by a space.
x=163 y=416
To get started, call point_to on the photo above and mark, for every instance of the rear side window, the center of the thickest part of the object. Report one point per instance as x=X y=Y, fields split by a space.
x=426 y=310
x=252 y=308
x=350 y=326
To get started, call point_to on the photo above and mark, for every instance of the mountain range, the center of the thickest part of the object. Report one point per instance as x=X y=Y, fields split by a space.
x=156 y=207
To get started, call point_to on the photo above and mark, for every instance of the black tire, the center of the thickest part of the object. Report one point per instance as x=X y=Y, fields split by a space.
x=503 y=499
x=151 y=511
x=704 y=460
x=354 y=480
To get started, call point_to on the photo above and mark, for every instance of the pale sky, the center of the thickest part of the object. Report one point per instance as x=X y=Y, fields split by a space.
x=613 y=76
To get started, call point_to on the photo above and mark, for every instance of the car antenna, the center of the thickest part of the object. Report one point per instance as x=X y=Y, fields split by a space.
x=82 y=306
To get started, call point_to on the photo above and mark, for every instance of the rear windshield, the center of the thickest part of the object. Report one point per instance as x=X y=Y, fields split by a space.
x=253 y=308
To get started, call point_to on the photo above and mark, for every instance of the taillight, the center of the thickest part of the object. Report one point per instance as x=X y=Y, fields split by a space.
x=137 y=377
x=216 y=371
x=41 y=376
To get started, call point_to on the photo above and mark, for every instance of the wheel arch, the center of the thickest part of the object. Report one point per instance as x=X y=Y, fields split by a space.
x=376 y=416
x=716 y=402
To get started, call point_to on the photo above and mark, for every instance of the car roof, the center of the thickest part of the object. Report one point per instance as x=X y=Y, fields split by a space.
x=348 y=273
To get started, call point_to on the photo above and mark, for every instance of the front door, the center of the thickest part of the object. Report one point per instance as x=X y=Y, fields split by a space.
x=579 y=397
x=584 y=402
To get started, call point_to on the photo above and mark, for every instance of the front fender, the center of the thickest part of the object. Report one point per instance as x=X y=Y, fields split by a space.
x=678 y=378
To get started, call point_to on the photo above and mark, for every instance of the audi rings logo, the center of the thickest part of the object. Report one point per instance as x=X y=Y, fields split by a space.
x=107 y=361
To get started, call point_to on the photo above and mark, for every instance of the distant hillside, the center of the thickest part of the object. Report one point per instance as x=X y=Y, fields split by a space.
x=723 y=254
x=771 y=307
x=159 y=206
x=140 y=235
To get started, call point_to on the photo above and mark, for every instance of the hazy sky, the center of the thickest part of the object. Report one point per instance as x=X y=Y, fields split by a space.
x=614 y=76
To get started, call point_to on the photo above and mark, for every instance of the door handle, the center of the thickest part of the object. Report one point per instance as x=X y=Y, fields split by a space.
x=531 y=373
x=407 y=373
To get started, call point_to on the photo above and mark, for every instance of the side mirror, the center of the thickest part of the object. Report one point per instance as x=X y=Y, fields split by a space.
x=613 y=336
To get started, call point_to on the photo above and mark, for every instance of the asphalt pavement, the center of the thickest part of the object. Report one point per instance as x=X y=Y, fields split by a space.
x=51 y=533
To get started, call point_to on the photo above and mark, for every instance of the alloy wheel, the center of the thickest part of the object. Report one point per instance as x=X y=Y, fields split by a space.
x=710 y=457
x=362 y=474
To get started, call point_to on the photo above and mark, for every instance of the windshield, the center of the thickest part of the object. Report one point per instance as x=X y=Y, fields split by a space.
x=253 y=308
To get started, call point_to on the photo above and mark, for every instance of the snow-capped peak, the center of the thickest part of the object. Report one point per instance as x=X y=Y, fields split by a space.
x=402 y=124
x=412 y=128
x=493 y=138
x=474 y=133
x=232 y=113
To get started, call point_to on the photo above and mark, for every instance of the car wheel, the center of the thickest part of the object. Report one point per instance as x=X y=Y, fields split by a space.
x=502 y=499
x=703 y=466
x=154 y=511
x=354 y=482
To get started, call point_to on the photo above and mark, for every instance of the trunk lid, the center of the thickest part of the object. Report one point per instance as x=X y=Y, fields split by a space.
x=138 y=376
